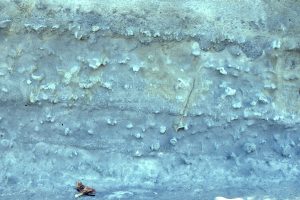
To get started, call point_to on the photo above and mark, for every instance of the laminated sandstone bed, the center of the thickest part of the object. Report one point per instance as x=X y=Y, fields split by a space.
x=179 y=99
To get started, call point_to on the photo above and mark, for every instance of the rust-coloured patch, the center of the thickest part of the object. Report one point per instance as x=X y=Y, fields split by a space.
x=84 y=190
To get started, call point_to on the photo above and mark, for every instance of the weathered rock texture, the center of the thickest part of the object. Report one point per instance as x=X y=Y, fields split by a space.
x=150 y=100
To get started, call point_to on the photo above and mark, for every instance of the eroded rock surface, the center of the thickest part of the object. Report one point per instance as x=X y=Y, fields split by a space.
x=151 y=100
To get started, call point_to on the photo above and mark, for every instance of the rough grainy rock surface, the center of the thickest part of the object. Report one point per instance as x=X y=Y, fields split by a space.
x=179 y=99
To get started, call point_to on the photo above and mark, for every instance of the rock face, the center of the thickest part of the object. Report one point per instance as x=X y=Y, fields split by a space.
x=150 y=100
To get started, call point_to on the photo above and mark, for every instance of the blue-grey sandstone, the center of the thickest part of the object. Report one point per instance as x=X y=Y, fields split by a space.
x=169 y=99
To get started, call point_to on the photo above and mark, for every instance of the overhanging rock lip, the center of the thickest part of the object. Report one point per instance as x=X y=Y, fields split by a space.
x=152 y=19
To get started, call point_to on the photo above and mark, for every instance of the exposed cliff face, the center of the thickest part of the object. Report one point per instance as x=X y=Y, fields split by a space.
x=153 y=99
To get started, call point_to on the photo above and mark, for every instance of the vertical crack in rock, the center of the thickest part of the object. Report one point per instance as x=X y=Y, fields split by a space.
x=181 y=124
